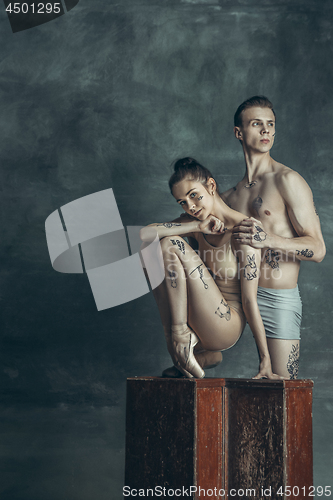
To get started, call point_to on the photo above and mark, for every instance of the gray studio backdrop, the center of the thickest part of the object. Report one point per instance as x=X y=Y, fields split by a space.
x=107 y=96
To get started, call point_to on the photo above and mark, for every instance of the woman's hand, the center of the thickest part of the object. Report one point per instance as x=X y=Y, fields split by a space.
x=265 y=371
x=212 y=225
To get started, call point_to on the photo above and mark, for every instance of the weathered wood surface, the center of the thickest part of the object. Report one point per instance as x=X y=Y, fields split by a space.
x=219 y=433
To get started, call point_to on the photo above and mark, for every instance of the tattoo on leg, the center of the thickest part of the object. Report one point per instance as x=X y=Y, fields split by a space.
x=256 y=204
x=226 y=314
x=168 y=224
x=200 y=275
x=260 y=234
x=172 y=275
x=180 y=245
x=272 y=258
x=305 y=253
x=250 y=270
x=293 y=362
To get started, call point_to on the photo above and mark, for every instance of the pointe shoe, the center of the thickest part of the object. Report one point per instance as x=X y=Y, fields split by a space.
x=183 y=341
x=172 y=372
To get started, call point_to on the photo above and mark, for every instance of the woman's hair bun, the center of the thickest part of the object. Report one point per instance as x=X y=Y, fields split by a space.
x=184 y=162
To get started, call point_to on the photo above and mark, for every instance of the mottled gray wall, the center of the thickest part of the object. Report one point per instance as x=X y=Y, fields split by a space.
x=107 y=96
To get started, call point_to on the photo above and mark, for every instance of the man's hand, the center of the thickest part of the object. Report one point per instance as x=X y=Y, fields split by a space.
x=250 y=232
x=212 y=225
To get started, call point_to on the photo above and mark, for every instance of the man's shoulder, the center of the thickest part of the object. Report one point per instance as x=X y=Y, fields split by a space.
x=288 y=181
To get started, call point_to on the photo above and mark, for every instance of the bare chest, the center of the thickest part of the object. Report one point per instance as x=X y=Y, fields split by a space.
x=264 y=202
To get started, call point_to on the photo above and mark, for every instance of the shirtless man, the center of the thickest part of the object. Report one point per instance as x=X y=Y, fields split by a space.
x=283 y=222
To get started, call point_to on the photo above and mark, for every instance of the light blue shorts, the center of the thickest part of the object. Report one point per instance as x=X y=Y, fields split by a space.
x=281 y=312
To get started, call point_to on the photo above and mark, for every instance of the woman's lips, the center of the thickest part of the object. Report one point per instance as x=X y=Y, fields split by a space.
x=197 y=213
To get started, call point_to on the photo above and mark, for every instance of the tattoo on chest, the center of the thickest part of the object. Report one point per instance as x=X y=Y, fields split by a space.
x=250 y=270
x=200 y=271
x=305 y=253
x=168 y=224
x=256 y=204
x=223 y=311
x=260 y=235
x=180 y=245
x=272 y=258
x=293 y=362
x=172 y=275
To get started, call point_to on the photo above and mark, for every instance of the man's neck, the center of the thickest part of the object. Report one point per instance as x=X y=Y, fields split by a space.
x=257 y=164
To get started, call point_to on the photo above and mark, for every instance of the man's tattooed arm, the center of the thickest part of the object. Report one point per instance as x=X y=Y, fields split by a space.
x=305 y=253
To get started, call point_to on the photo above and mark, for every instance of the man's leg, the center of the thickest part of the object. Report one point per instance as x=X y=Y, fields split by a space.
x=284 y=356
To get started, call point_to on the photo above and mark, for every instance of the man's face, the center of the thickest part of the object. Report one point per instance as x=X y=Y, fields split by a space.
x=257 y=130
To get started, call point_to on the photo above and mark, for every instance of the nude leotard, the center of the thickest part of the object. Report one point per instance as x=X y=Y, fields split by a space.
x=223 y=266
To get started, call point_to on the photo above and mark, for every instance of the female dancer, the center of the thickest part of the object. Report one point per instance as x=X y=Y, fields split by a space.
x=208 y=294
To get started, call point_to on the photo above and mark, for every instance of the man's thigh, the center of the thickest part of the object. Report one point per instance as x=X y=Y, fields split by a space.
x=284 y=356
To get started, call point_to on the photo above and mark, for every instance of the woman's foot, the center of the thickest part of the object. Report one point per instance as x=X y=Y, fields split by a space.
x=206 y=359
x=183 y=342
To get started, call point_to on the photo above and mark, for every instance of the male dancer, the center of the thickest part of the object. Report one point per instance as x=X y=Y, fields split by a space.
x=283 y=222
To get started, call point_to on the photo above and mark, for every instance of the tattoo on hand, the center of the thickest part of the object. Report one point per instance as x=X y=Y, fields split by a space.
x=172 y=275
x=226 y=314
x=293 y=362
x=272 y=258
x=256 y=204
x=180 y=245
x=200 y=275
x=168 y=224
x=305 y=253
x=250 y=270
x=260 y=234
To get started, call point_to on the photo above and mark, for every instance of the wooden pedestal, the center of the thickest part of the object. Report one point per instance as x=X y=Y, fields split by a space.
x=218 y=438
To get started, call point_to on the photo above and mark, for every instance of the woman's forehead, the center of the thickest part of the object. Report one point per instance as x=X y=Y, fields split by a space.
x=181 y=189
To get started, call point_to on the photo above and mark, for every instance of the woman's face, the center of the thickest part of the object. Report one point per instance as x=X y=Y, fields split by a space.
x=194 y=197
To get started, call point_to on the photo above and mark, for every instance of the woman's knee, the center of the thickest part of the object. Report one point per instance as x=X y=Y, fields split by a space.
x=171 y=244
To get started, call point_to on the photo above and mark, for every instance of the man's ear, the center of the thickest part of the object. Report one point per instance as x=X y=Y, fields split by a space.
x=238 y=133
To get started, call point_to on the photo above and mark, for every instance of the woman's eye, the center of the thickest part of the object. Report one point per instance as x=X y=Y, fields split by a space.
x=192 y=195
x=181 y=203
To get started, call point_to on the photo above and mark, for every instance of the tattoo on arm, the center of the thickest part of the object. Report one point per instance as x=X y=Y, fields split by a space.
x=168 y=224
x=200 y=275
x=256 y=204
x=223 y=314
x=172 y=275
x=272 y=258
x=305 y=253
x=260 y=235
x=250 y=270
x=180 y=245
x=293 y=362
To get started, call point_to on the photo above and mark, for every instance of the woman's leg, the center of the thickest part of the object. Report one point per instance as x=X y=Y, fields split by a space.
x=284 y=356
x=195 y=300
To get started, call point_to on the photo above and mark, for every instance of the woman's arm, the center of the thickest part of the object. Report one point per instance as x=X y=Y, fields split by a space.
x=182 y=226
x=249 y=268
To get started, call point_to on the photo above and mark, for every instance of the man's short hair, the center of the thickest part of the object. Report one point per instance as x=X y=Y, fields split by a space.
x=257 y=101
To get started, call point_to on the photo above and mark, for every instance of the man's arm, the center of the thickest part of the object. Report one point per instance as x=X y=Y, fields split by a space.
x=309 y=244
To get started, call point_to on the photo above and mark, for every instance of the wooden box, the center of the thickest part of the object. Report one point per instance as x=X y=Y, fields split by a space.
x=218 y=438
